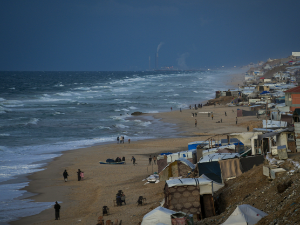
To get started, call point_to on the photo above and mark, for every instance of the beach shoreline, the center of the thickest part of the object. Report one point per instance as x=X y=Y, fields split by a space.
x=49 y=187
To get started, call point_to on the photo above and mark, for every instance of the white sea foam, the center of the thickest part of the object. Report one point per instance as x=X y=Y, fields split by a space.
x=4 y=135
x=132 y=107
x=33 y=121
x=121 y=126
x=2 y=99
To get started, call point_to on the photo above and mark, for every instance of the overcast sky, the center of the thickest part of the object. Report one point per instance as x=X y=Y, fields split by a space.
x=98 y=35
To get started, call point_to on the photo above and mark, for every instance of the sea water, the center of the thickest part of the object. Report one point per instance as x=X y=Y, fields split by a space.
x=45 y=113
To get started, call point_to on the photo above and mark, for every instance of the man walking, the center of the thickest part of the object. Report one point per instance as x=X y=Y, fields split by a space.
x=65 y=174
x=236 y=120
x=195 y=123
x=133 y=160
x=150 y=160
x=57 y=208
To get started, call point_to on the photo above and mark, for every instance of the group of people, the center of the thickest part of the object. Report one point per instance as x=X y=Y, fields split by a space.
x=122 y=140
x=196 y=107
x=150 y=160
x=80 y=175
x=120 y=198
x=118 y=159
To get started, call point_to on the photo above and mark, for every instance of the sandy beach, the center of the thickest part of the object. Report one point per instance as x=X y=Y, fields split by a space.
x=82 y=201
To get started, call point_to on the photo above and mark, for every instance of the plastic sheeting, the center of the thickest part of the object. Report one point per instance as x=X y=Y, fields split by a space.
x=230 y=168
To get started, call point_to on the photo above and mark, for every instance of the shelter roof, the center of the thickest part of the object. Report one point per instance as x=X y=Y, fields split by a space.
x=218 y=157
x=292 y=90
x=161 y=209
x=189 y=181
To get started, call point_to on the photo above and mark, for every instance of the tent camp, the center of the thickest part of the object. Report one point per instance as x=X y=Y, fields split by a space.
x=244 y=215
x=158 y=215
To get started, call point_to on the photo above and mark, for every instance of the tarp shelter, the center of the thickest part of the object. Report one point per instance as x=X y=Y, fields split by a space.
x=218 y=157
x=248 y=162
x=207 y=186
x=158 y=215
x=189 y=194
x=179 y=167
x=264 y=92
x=245 y=215
x=230 y=168
x=210 y=169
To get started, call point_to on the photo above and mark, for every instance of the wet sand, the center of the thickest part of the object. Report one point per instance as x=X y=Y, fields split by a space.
x=82 y=201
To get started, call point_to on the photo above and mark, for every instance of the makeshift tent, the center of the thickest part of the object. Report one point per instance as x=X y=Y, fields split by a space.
x=211 y=170
x=179 y=167
x=207 y=186
x=158 y=215
x=245 y=215
x=184 y=195
x=230 y=168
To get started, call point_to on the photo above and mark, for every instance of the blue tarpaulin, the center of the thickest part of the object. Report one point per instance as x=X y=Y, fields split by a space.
x=264 y=92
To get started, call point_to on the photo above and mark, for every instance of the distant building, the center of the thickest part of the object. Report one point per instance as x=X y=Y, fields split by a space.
x=292 y=98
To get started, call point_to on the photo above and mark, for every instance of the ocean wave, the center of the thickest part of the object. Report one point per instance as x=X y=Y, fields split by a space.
x=103 y=128
x=12 y=103
x=82 y=88
x=64 y=94
x=4 y=135
x=58 y=113
x=121 y=126
x=132 y=107
x=33 y=121
x=2 y=99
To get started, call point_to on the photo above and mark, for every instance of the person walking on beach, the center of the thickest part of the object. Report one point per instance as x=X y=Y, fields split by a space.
x=133 y=160
x=180 y=109
x=171 y=108
x=225 y=114
x=78 y=174
x=247 y=128
x=150 y=160
x=57 y=208
x=118 y=140
x=154 y=160
x=81 y=175
x=212 y=116
x=195 y=123
x=65 y=174
x=128 y=141
x=236 y=120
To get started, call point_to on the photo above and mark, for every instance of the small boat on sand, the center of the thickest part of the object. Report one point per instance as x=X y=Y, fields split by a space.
x=111 y=161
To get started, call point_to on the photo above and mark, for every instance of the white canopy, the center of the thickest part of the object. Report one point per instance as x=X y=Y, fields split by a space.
x=207 y=186
x=158 y=215
x=218 y=157
x=245 y=215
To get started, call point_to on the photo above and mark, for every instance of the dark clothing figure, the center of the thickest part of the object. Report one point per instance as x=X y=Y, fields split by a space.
x=133 y=160
x=65 y=174
x=118 y=200
x=123 y=199
x=236 y=120
x=123 y=158
x=128 y=141
x=212 y=117
x=221 y=120
x=195 y=114
x=57 y=208
x=195 y=123
x=154 y=160
x=180 y=109
x=225 y=114
x=247 y=128
x=150 y=160
x=118 y=140
x=78 y=174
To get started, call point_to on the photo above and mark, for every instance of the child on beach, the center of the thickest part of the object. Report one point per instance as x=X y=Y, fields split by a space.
x=82 y=175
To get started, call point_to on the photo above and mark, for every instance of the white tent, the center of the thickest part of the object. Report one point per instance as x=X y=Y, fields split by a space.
x=158 y=215
x=245 y=215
